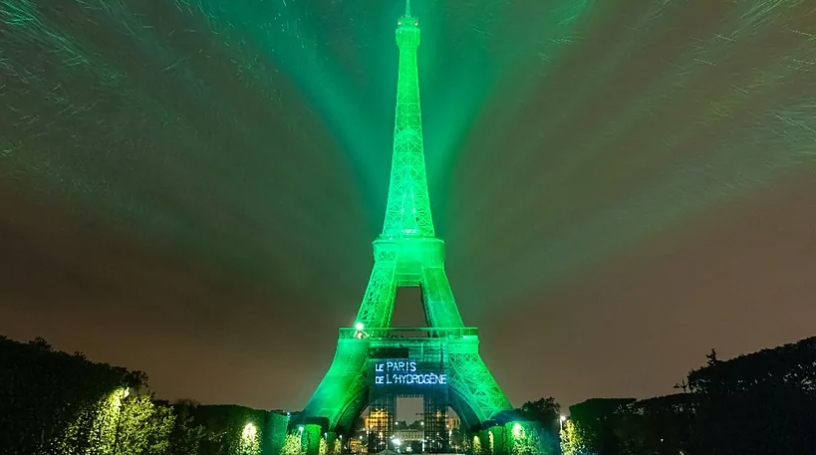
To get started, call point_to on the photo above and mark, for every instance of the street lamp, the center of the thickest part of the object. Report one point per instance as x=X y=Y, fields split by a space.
x=120 y=395
x=517 y=429
x=249 y=432
x=561 y=421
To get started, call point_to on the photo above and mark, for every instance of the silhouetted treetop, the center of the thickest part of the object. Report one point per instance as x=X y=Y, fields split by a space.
x=792 y=364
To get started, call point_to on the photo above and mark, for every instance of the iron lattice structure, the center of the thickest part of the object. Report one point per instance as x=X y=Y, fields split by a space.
x=407 y=253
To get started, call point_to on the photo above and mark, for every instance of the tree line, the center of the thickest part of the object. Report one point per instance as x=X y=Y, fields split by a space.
x=757 y=404
x=54 y=403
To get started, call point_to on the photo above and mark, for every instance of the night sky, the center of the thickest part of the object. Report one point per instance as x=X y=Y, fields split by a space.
x=190 y=188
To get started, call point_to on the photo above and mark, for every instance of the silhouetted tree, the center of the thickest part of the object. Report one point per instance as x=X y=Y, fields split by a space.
x=659 y=426
x=759 y=403
x=596 y=421
x=53 y=403
x=545 y=411
x=42 y=391
x=712 y=358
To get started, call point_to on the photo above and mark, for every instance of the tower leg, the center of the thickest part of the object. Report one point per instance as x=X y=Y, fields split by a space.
x=343 y=384
x=310 y=439
x=437 y=299
x=475 y=384
x=345 y=381
x=377 y=306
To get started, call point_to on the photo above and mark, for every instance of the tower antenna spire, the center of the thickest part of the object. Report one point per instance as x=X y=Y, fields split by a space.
x=408 y=8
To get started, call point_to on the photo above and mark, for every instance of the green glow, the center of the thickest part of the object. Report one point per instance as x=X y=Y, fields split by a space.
x=311 y=439
x=623 y=121
x=407 y=253
x=408 y=210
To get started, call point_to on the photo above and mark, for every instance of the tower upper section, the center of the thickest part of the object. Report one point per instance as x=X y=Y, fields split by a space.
x=408 y=29
x=408 y=210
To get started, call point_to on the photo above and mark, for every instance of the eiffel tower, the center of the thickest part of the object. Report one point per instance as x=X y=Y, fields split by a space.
x=407 y=254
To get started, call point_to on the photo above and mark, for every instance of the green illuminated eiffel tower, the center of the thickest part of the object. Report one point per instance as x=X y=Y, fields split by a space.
x=407 y=253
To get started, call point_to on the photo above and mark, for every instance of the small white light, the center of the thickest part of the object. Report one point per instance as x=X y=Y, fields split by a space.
x=249 y=432
x=517 y=430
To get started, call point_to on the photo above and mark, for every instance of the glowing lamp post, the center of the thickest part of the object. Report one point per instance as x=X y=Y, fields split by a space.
x=517 y=430
x=249 y=432
x=120 y=406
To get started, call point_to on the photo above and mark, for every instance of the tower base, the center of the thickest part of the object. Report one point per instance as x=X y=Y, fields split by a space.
x=444 y=358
